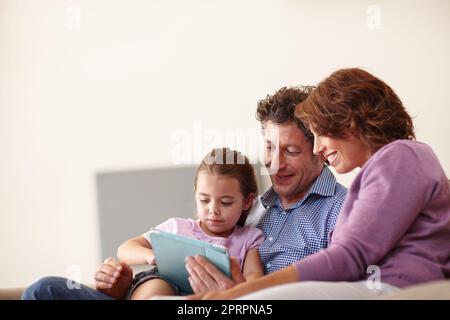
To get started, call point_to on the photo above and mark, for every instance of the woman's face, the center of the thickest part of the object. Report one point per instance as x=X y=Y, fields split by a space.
x=343 y=154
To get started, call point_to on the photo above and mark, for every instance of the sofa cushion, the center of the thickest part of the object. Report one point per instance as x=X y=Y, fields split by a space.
x=436 y=290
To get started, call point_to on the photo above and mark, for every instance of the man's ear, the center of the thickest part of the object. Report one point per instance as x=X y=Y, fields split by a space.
x=248 y=202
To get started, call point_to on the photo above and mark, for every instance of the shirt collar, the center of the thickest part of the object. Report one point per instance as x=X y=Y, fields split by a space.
x=324 y=185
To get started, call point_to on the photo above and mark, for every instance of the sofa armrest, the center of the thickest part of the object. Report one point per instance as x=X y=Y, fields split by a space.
x=11 y=293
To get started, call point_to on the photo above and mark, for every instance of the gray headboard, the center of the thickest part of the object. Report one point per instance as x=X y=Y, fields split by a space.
x=131 y=202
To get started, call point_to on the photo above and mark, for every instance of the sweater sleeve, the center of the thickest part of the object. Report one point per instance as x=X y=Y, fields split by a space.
x=383 y=202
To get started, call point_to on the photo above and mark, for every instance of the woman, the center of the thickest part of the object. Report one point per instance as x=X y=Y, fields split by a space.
x=394 y=227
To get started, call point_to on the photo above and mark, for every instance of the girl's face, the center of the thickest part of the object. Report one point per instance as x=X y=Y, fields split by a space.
x=343 y=154
x=219 y=203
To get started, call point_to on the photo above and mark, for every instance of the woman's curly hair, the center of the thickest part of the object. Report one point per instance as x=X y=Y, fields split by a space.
x=353 y=100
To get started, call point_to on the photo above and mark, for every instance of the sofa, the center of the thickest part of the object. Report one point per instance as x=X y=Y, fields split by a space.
x=436 y=290
x=427 y=291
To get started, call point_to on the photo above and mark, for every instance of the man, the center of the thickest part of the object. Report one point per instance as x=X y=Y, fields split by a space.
x=300 y=208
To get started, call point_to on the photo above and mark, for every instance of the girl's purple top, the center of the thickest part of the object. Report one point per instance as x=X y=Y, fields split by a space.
x=396 y=217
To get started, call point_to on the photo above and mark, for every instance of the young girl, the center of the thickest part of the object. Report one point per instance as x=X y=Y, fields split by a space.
x=225 y=186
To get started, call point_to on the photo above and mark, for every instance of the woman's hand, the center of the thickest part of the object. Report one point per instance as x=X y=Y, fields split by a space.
x=283 y=276
x=205 y=277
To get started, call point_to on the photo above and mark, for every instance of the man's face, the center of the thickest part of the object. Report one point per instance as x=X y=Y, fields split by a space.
x=289 y=158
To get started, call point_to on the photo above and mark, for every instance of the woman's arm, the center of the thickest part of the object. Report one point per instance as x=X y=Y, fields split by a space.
x=385 y=200
x=283 y=276
x=136 y=251
x=253 y=267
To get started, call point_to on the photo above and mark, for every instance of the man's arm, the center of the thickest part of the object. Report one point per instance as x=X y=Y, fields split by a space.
x=204 y=276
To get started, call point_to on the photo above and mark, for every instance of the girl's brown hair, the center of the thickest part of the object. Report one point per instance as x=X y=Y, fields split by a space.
x=231 y=163
x=353 y=100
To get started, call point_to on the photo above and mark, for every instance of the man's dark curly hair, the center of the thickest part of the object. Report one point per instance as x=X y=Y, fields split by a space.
x=280 y=108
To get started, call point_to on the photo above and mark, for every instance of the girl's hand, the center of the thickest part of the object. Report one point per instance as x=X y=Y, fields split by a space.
x=114 y=278
x=151 y=259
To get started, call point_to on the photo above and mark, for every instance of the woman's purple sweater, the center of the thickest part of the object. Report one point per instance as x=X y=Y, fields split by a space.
x=396 y=216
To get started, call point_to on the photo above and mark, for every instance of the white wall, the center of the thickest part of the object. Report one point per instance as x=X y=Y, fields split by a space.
x=107 y=94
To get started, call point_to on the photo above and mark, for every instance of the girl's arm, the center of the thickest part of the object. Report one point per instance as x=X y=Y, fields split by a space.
x=253 y=267
x=136 y=251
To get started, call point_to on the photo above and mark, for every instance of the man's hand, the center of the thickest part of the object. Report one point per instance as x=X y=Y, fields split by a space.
x=114 y=278
x=205 y=277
